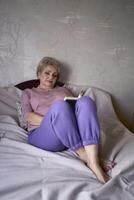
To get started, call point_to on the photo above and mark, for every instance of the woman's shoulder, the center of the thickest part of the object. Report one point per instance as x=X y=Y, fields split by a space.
x=29 y=91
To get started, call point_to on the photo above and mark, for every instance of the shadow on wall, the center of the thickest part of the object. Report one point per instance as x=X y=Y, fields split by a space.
x=122 y=115
x=65 y=72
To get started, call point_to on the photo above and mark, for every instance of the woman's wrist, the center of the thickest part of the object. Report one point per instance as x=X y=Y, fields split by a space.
x=34 y=118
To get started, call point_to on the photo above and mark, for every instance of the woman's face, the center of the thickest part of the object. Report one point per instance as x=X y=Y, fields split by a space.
x=48 y=77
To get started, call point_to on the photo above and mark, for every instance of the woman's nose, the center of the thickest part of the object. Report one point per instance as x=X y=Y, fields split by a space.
x=51 y=77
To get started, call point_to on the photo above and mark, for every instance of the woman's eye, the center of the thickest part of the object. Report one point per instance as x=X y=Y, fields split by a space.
x=55 y=75
x=47 y=73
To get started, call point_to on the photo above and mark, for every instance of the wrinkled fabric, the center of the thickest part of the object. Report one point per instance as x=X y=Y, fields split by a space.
x=29 y=173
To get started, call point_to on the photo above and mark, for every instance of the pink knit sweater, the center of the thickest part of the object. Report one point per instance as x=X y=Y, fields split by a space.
x=38 y=100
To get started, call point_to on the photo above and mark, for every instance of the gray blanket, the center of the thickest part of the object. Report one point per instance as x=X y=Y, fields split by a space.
x=29 y=173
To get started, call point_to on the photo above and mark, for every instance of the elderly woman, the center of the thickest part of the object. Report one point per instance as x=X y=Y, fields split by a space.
x=54 y=126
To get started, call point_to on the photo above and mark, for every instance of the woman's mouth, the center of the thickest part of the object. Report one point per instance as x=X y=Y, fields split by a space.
x=50 y=81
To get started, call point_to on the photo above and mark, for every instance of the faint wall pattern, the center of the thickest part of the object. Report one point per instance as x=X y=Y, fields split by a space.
x=93 y=39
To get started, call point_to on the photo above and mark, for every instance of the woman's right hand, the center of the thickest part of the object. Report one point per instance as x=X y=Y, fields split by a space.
x=34 y=118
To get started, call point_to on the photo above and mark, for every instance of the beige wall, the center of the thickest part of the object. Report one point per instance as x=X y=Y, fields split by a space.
x=95 y=39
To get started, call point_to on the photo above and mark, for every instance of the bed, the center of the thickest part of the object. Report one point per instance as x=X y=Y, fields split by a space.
x=29 y=173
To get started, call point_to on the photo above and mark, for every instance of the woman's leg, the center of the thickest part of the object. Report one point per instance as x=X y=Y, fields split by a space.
x=93 y=162
x=57 y=130
x=87 y=120
x=105 y=164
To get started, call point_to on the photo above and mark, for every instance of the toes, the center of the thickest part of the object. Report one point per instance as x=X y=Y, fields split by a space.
x=107 y=163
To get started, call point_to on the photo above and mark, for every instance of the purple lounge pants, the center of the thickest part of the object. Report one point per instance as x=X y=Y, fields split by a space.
x=63 y=127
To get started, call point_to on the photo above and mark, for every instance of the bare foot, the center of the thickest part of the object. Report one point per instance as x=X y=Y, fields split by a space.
x=100 y=174
x=107 y=164
x=82 y=154
x=99 y=167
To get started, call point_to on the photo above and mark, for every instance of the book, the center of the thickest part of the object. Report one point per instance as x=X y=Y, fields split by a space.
x=72 y=100
x=69 y=98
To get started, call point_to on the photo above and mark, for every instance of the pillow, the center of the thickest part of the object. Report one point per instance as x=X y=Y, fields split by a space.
x=22 y=122
x=8 y=97
x=10 y=104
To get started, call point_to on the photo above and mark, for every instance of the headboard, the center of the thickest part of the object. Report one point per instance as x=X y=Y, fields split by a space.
x=32 y=83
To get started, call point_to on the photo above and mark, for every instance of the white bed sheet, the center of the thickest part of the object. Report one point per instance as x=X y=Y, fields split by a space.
x=29 y=173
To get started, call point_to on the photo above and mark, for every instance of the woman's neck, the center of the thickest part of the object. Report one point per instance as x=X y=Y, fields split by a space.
x=44 y=88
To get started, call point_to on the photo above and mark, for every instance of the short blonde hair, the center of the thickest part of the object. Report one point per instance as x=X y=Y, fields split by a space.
x=45 y=61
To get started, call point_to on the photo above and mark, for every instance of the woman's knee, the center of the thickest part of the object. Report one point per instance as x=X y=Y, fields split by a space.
x=60 y=110
x=60 y=105
x=86 y=101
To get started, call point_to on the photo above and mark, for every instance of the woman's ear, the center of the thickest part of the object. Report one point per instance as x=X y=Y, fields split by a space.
x=58 y=77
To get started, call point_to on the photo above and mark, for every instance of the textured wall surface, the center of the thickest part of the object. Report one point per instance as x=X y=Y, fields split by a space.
x=94 y=39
